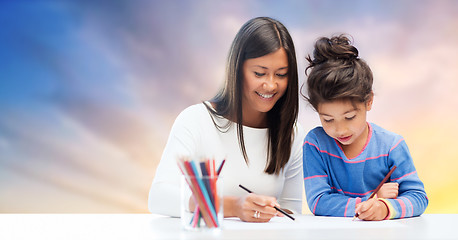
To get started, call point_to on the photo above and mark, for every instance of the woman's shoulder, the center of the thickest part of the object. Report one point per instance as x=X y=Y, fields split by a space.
x=193 y=112
x=299 y=132
x=194 y=116
x=195 y=109
x=298 y=135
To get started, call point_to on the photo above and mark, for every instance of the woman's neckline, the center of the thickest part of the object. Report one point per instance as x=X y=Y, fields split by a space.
x=210 y=104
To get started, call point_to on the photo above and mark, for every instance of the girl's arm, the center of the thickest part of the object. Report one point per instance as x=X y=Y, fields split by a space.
x=321 y=200
x=411 y=200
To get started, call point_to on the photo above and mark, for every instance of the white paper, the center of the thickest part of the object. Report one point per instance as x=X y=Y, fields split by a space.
x=310 y=222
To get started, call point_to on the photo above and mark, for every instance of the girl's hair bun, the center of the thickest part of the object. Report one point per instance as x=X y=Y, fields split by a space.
x=337 y=72
x=334 y=48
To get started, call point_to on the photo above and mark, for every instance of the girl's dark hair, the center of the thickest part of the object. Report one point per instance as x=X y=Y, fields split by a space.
x=337 y=72
x=259 y=37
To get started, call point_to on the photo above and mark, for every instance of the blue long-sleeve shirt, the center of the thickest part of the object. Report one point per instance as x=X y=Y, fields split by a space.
x=334 y=184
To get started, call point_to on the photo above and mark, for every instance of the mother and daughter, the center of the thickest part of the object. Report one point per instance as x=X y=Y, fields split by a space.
x=252 y=124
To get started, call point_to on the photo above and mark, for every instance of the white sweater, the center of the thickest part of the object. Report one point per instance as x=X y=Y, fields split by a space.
x=194 y=135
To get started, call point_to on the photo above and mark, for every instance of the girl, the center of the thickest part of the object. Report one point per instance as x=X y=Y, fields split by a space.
x=251 y=123
x=346 y=158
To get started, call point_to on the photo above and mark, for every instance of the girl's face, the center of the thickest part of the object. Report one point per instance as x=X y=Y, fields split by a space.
x=345 y=121
x=265 y=80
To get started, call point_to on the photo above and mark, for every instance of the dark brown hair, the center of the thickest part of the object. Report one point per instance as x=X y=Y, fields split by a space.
x=337 y=72
x=259 y=37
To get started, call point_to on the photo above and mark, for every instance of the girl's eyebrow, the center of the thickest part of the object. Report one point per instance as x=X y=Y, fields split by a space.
x=327 y=115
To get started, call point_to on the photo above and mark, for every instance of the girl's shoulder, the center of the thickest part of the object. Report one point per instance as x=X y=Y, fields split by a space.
x=382 y=136
x=317 y=133
x=318 y=136
x=378 y=131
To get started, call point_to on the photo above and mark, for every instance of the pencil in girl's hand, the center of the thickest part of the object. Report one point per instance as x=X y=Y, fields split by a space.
x=378 y=187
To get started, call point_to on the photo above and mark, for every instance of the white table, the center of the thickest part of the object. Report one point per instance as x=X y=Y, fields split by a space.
x=148 y=226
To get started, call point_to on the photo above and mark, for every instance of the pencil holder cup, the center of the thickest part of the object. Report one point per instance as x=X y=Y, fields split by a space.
x=202 y=203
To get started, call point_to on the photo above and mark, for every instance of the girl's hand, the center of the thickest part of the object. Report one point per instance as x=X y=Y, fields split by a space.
x=389 y=190
x=246 y=208
x=372 y=210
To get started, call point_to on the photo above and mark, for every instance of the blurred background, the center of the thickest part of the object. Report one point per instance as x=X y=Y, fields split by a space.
x=89 y=89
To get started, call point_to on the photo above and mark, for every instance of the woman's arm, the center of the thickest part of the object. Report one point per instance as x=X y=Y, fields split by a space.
x=164 y=196
x=290 y=199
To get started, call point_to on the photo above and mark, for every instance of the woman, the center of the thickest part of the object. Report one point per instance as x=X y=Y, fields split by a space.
x=251 y=123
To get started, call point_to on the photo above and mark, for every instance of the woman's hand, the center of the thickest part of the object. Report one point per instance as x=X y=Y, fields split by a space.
x=389 y=190
x=372 y=210
x=255 y=208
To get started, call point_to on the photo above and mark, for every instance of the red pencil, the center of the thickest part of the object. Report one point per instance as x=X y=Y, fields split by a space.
x=378 y=187
x=206 y=213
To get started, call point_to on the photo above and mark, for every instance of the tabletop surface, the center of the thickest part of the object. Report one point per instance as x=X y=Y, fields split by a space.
x=149 y=226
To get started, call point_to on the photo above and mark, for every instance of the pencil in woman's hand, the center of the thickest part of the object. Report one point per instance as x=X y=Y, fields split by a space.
x=276 y=208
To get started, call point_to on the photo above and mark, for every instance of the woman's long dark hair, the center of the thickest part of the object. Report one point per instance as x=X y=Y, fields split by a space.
x=259 y=37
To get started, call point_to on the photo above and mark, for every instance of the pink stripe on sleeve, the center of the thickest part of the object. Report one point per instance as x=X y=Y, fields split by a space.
x=403 y=207
x=346 y=207
x=410 y=203
x=358 y=200
x=394 y=179
x=395 y=145
x=369 y=158
x=315 y=176
x=352 y=193
x=323 y=151
x=314 y=208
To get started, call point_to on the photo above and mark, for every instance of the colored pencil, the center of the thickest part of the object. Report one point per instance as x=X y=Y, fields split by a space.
x=205 y=194
x=220 y=167
x=277 y=208
x=199 y=195
x=378 y=187
x=203 y=187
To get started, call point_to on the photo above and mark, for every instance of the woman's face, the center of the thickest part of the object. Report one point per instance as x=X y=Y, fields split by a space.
x=265 y=80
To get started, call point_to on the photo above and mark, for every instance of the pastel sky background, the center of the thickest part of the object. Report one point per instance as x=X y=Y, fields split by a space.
x=90 y=89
